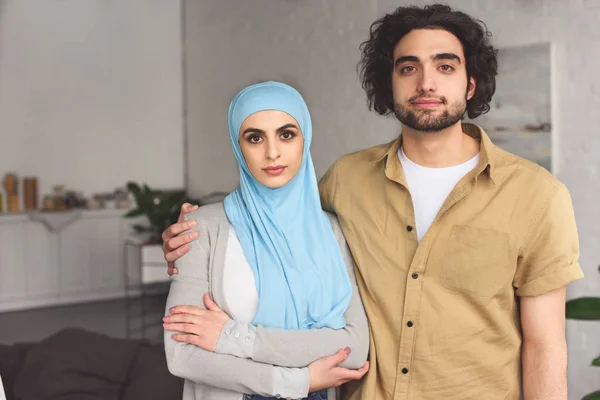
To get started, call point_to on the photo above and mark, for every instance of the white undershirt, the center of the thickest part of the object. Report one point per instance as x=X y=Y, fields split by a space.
x=429 y=187
x=239 y=286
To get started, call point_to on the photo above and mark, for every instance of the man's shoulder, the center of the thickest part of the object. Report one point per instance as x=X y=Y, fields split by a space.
x=364 y=157
x=518 y=170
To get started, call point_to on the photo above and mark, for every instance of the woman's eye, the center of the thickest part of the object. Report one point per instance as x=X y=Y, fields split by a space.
x=254 y=139
x=287 y=135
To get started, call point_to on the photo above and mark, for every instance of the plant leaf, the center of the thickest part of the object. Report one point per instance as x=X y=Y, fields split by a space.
x=596 y=362
x=141 y=228
x=584 y=308
x=592 y=396
x=134 y=189
x=134 y=213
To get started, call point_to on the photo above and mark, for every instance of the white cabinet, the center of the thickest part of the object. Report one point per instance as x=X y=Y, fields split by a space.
x=81 y=261
x=106 y=255
x=75 y=257
x=41 y=261
x=13 y=282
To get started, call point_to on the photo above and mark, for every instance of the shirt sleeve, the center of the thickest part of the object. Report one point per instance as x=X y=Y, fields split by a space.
x=549 y=257
x=220 y=370
x=328 y=187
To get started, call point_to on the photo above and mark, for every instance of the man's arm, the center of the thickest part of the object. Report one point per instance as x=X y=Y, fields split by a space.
x=548 y=261
x=544 y=351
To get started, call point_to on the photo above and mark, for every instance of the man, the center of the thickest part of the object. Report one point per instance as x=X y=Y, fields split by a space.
x=463 y=251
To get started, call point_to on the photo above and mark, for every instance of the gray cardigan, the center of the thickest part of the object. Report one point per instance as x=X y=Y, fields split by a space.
x=255 y=360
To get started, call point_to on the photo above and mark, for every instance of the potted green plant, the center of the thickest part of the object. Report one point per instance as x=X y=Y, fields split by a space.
x=160 y=208
x=587 y=309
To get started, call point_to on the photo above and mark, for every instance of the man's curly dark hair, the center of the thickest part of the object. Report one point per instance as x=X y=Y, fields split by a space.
x=377 y=63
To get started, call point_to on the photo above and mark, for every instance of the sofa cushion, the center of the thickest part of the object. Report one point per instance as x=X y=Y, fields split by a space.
x=12 y=359
x=75 y=364
x=149 y=378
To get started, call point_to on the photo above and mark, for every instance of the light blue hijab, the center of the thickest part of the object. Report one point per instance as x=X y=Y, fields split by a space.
x=299 y=270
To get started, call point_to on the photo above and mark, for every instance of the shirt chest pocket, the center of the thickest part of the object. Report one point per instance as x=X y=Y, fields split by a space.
x=477 y=261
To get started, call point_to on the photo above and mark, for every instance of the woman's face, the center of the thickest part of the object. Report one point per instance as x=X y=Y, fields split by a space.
x=272 y=145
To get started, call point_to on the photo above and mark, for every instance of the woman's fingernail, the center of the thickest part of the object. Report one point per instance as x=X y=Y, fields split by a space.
x=348 y=350
x=172 y=309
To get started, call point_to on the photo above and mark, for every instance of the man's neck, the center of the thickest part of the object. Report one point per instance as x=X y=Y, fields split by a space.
x=441 y=149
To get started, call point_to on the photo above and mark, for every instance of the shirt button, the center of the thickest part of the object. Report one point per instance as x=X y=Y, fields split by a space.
x=409 y=228
x=247 y=338
x=237 y=334
x=415 y=275
x=405 y=371
x=410 y=324
x=228 y=331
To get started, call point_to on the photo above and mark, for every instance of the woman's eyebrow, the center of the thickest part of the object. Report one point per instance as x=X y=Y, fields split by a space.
x=287 y=126
x=252 y=130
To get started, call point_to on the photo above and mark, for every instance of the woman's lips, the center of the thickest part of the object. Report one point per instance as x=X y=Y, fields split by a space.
x=274 y=171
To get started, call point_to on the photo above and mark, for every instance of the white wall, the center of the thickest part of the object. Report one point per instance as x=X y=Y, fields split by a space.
x=313 y=45
x=91 y=92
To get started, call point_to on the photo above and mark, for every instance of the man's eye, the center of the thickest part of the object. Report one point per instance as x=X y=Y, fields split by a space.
x=409 y=68
x=446 y=68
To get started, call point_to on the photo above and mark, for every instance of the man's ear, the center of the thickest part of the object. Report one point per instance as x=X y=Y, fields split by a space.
x=472 y=86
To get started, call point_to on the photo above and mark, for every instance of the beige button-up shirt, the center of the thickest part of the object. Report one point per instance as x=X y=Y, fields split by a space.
x=444 y=311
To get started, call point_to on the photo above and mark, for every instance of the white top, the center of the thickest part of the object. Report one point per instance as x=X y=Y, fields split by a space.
x=239 y=286
x=429 y=187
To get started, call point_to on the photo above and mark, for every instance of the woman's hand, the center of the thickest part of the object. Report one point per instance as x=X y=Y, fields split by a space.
x=325 y=373
x=198 y=326
x=175 y=246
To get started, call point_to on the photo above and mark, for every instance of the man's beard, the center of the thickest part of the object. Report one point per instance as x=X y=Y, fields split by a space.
x=425 y=120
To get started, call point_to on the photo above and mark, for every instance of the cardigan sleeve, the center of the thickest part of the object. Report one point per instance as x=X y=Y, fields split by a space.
x=220 y=370
x=298 y=348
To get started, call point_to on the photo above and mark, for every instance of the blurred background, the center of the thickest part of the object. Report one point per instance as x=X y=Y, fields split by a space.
x=113 y=112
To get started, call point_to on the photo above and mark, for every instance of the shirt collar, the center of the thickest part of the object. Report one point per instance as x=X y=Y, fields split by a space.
x=487 y=160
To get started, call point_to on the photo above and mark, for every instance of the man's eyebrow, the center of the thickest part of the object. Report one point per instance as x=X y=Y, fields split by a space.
x=438 y=56
x=403 y=59
x=447 y=56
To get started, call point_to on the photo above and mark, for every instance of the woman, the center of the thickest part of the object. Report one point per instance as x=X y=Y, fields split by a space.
x=277 y=266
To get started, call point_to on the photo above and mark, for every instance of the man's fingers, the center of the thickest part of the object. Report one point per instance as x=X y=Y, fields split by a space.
x=182 y=211
x=177 y=228
x=353 y=374
x=340 y=356
x=175 y=254
x=178 y=241
x=185 y=208
x=174 y=230
x=172 y=270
